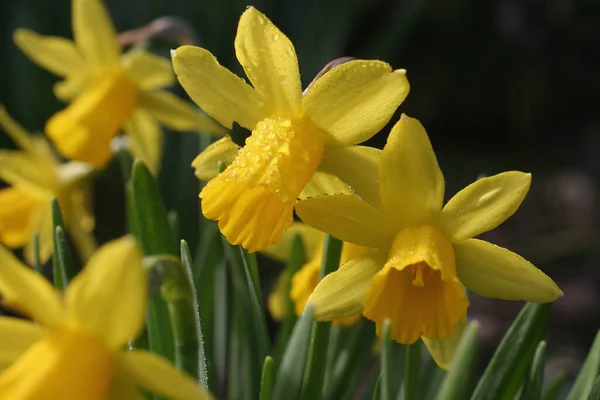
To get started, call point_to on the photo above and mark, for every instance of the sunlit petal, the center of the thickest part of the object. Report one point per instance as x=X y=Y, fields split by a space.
x=68 y=89
x=312 y=240
x=109 y=296
x=94 y=33
x=156 y=374
x=483 y=205
x=146 y=138
x=223 y=95
x=149 y=71
x=443 y=350
x=324 y=184
x=354 y=100
x=57 y=55
x=30 y=292
x=206 y=164
x=493 y=271
x=24 y=170
x=347 y=218
x=17 y=335
x=19 y=211
x=412 y=184
x=42 y=221
x=358 y=166
x=342 y=293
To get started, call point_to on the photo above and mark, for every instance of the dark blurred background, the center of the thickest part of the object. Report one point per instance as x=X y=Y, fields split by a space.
x=499 y=85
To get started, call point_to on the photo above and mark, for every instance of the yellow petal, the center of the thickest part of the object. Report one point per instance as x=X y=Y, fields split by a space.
x=84 y=130
x=324 y=184
x=18 y=216
x=146 y=138
x=25 y=170
x=312 y=241
x=483 y=205
x=443 y=350
x=355 y=100
x=79 y=219
x=32 y=293
x=94 y=33
x=430 y=309
x=123 y=389
x=270 y=62
x=109 y=297
x=206 y=164
x=178 y=114
x=42 y=220
x=347 y=218
x=223 y=95
x=358 y=166
x=147 y=70
x=17 y=335
x=34 y=145
x=253 y=198
x=68 y=89
x=156 y=374
x=304 y=282
x=57 y=55
x=342 y=293
x=412 y=184
x=493 y=271
x=66 y=364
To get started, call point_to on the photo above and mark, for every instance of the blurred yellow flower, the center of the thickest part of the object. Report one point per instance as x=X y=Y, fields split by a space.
x=297 y=141
x=306 y=278
x=425 y=253
x=75 y=349
x=108 y=92
x=36 y=176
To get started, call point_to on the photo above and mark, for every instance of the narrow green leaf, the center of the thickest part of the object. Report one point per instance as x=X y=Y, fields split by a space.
x=378 y=392
x=595 y=392
x=555 y=387
x=588 y=373
x=462 y=370
x=385 y=381
x=67 y=265
x=532 y=387
x=37 y=264
x=312 y=387
x=186 y=259
x=288 y=382
x=432 y=379
x=506 y=371
x=413 y=371
x=58 y=271
x=266 y=381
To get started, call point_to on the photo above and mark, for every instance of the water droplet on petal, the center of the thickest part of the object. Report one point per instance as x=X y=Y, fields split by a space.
x=276 y=36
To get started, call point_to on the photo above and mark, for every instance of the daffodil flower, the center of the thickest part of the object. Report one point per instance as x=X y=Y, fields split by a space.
x=305 y=280
x=108 y=92
x=76 y=350
x=36 y=176
x=297 y=141
x=426 y=254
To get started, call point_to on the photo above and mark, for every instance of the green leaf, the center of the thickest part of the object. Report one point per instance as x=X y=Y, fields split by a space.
x=188 y=264
x=312 y=387
x=412 y=371
x=432 y=379
x=595 y=392
x=457 y=382
x=63 y=266
x=385 y=381
x=506 y=371
x=589 y=372
x=555 y=387
x=288 y=382
x=532 y=387
x=266 y=381
x=378 y=392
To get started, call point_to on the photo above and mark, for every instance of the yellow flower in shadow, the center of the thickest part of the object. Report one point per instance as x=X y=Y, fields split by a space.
x=304 y=281
x=108 y=92
x=36 y=175
x=425 y=253
x=298 y=141
x=76 y=347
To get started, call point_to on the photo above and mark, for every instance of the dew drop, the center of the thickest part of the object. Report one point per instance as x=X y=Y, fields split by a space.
x=276 y=36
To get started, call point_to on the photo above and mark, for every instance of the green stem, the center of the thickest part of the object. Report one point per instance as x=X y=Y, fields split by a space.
x=412 y=372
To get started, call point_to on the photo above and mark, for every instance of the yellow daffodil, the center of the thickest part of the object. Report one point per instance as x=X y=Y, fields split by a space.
x=108 y=92
x=36 y=176
x=76 y=349
x=297 y=140
x=306 y=278
x=425 y=253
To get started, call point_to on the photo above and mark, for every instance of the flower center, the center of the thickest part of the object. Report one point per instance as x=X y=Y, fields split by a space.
x=83 y=130
x=253 y=198
x=417 y=289
x=68 y=364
